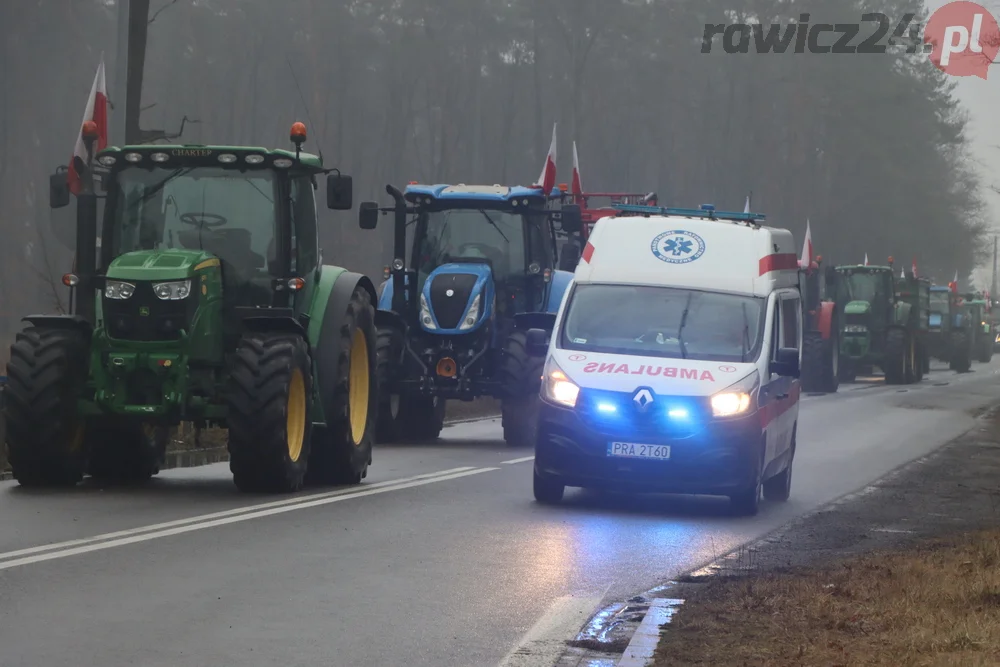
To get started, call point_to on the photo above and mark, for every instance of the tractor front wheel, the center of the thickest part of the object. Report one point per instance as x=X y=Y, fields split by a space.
x=269 y=412
x=342 y=450
x=45 y=435
x=125 y=452
x=402 y=416
x=961 y=355
x=896 y=359
x=521 y=375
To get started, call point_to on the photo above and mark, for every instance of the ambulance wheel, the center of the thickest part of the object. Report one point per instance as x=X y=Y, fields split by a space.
x=746 y=502
x=895 y=359
x=548 y=490
x=779 y=488
x=521 y=375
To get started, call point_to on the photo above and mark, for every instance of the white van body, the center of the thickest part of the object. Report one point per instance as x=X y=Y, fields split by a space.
x=627 y=410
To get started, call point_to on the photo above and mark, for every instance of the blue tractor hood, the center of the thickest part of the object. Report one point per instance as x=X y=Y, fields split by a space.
x=457 y=298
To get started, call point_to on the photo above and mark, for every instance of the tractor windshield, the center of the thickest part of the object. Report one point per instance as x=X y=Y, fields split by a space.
x=471 y=235
x=223 y=211
x=651 y=321
x=865 y=286
x=939 y=302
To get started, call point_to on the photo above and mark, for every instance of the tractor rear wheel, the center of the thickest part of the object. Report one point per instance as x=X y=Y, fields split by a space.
x=896 y=356
x=521 y=375
x=961 y=355
x=45 y=435
x=819 y=363
x=342 y=450
x=985 y=351
x=270 y=384
x=124 y=452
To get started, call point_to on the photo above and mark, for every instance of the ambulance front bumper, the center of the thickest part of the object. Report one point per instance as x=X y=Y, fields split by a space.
x=716 y=457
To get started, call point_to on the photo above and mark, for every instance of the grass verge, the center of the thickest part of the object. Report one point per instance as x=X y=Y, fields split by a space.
x=936 y=604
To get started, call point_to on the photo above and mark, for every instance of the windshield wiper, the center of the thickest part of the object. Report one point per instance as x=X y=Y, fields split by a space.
x=152 y=192
x=495 y=225
x=746 y=334
x=680 y=329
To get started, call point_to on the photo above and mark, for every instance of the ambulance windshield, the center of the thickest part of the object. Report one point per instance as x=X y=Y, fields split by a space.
x=651 y=322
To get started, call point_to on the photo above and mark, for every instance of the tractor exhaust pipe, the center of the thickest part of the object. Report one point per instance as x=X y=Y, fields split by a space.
x=399 y=252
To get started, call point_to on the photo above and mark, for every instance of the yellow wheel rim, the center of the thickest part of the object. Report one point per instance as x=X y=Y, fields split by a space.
x=295 y=426
x=359 y=387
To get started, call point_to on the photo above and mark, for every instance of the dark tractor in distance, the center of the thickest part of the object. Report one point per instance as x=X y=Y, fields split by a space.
x=950 y=337
x=978 y=309
x=454 y=324
x=207 y=302
x=878 y=327
x=821 y=329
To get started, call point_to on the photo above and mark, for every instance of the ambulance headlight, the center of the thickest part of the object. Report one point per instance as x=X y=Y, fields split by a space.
x=557 y=387
x=472 y=316
x=737 y=399
x=425 y=314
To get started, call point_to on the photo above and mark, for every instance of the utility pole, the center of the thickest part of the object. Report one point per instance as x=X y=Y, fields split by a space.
x=117 y=129
x=993 y=285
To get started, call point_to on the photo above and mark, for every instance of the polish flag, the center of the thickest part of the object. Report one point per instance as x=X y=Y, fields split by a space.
x=866 y=259
x=577 y=185
x=913 y=268
x=547 y=179
x=955 y=279
x=97 y=111
x=902 y=274
x=807 y=246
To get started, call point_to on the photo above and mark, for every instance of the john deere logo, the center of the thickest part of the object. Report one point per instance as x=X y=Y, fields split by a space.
x=143 y=311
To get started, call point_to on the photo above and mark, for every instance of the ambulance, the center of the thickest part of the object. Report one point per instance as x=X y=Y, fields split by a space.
x=674 y=361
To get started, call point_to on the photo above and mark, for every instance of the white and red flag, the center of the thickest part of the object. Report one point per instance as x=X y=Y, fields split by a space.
x=547 y=179
x=96 y=111
x=807 y=248
x=913 y=268
x=866 y=259
x=577 y=185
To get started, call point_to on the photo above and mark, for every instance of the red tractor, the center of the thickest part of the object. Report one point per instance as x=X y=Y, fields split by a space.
x=820 y=328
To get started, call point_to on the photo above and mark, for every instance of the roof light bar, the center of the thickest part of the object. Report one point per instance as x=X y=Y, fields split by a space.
x=706 y=211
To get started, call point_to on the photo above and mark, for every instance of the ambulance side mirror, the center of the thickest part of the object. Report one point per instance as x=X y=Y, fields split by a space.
x=537 y=342
x=786 y=362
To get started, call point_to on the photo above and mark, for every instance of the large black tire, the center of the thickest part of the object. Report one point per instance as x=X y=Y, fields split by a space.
x=390 y=425
x=820 y=357
x=848 y=371
x=961 y=354
x=270 y=384
x=125 y=452
x=779 y=488
x=521 y=376
x=985 y=351
x=896 y=355
x=911 y=369
x=45 y=435
x=548 y=490
x=342 y=450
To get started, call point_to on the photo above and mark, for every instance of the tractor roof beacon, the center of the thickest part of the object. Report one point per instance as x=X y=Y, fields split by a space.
x=674 y=360
x=453 y=320
x=208 y=302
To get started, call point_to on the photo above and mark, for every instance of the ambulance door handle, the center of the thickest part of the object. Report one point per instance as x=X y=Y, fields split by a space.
x=781 y=396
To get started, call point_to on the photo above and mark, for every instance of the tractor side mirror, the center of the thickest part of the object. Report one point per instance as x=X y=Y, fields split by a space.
x=569 y=257
x=59 y=189
x=572 y=218
x=368 y=215
x=537 y=343
x=786 y=362
x=339 y=192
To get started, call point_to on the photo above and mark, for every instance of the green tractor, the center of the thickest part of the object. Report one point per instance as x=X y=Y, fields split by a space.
x=201 y=297
x=950 y=337
x=878 y=326
x=978 y=309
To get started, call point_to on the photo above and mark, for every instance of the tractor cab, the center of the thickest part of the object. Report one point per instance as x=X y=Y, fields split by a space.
x=867 y=295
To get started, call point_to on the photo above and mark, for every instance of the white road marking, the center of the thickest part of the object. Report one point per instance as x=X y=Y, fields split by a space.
x=523 y=459
x=135 y=535
x=546 y=641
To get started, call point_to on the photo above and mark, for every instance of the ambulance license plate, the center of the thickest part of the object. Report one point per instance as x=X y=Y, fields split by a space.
x=631 y=450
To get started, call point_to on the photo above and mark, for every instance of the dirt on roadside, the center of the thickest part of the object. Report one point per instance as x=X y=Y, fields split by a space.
x=906 y=572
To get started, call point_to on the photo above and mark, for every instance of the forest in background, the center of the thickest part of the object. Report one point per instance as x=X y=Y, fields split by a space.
x=872 y=149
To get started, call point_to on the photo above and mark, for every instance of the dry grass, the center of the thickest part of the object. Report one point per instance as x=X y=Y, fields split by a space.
x=938 y=604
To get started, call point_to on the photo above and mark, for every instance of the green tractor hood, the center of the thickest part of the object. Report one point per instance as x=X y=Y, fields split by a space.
x=857 y=308
x=158 y=264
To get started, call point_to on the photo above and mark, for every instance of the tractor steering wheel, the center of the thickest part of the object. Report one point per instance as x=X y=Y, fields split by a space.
x=203 y=219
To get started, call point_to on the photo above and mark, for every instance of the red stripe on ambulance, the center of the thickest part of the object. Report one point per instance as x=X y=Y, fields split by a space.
x=588 y=252
x=779 y=262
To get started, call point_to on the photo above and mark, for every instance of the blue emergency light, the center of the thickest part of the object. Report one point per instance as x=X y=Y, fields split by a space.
x=705 y=211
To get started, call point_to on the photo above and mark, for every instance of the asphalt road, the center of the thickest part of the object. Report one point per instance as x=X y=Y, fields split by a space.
x=441 y=558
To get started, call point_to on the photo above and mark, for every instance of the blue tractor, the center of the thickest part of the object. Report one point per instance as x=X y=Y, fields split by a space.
x=454 y=323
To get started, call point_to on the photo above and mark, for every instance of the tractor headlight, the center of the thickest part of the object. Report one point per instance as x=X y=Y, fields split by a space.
x=855 y=328
x=172 y=291
x=425 y=314
x=116 y=289
x=473 y=315
x=737 y=399
x=557 y=387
